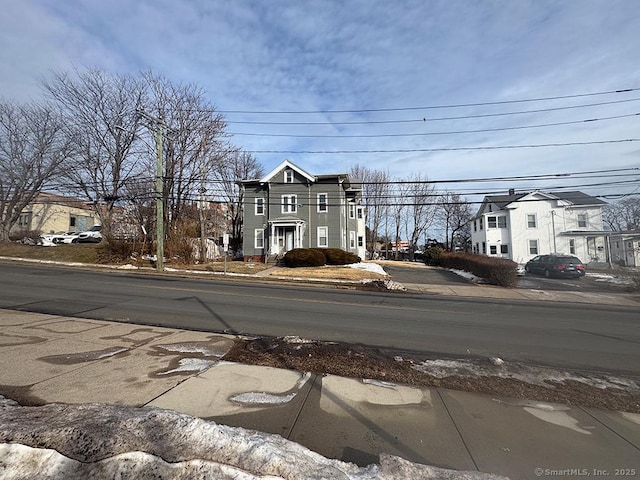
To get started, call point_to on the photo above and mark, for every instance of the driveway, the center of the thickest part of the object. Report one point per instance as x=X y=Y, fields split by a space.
x=585 y=284
x=406 y=272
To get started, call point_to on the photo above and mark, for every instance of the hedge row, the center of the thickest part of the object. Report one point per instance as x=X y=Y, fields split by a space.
x=497 y=271
x=316 y=257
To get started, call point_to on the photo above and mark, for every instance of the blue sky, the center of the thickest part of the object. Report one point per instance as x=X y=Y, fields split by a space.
x=356 y=55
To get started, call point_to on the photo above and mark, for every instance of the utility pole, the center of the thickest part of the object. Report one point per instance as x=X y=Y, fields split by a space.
x=203 y=223
x=159 y=124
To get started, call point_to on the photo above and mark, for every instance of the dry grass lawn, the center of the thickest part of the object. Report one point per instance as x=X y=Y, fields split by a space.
x=326 y=272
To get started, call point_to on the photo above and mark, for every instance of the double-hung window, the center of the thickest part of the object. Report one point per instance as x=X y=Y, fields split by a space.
x=352 y=239
x=322 y=202
x=352 y=210
x=259 y=238
x=259 y=206
x=288 y=176
x=531 y=221
x=533 y=247
x=289 y=203
x=323 y=236
x=582 y=220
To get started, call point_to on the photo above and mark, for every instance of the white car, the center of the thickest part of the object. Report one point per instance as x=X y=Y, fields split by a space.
x=60 y=237
x=92 y=235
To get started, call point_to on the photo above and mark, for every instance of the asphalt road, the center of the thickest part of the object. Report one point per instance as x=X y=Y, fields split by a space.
x=595 y=338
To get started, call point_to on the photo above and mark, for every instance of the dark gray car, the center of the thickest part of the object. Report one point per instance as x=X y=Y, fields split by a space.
x=556 y=266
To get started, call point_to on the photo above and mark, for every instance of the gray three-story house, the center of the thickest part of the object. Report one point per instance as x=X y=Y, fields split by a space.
x=289 y=208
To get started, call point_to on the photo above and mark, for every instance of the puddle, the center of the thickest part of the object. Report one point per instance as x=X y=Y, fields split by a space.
x=550 y=413
x=139 y=336
x=8 y=340
x=632 y=417
x=82 y=357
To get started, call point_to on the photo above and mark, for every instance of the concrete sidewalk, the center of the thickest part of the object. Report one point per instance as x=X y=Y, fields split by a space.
x=48 y=359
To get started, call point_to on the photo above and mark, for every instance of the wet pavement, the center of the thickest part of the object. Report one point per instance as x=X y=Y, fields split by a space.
x=48 y=358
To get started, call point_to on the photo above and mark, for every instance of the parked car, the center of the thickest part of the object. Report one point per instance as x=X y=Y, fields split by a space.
x=556 y=266
x=92 y=235
x=60 y=237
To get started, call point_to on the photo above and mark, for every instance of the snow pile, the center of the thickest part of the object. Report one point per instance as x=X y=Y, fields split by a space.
x=369 y=267
x=385 y=285
x=496 y=367
x=617 y=280
x=107 y=441
x=467 y=275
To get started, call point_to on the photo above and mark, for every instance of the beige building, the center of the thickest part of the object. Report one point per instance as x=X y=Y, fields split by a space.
x=50 y=213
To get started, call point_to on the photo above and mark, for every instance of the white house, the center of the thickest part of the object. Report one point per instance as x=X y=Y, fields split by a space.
x=625 y=248
x=520 y=226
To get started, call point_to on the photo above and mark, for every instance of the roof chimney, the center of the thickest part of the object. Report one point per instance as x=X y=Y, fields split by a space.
x=512 y=191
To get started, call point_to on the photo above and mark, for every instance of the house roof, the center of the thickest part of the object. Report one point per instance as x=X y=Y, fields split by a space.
x=574 y=197
x=287 y=164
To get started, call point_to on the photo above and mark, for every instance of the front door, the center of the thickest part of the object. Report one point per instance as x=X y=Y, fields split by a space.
x=289 y=233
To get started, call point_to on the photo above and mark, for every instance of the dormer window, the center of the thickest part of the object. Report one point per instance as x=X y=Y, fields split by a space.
x=288 y=176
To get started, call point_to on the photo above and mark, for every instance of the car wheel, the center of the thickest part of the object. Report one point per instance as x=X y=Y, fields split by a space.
x=547 y=273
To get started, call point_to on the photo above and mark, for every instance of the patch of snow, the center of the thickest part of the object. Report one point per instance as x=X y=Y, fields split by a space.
x=369 y=267
x=261 y=398
x=560 y=418
x=295 y=339
x=378 y=383
x=497 y=361
x=467 y=275
x=615 y=279
x=193 y=347
x=385 y=284
x=111 y=353
x=147 y=443
x=128 y=266
x=191 y=365
x=525 y=373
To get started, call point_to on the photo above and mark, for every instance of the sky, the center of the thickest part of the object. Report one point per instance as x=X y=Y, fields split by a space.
x=375 y=83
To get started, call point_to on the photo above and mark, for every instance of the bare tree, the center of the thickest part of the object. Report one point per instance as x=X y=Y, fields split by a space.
x=623 y=215
x=420 y=210
x=33 y=151
x=237 y=165
x=398 y=208
x=454 y=214
x=100 y=112
x=194 y=146
x=375 y=192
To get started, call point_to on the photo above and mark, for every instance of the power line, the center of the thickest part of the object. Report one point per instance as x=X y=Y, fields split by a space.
x=424 y=134
x=450 y=149
x=432 y=107
x=435 y=119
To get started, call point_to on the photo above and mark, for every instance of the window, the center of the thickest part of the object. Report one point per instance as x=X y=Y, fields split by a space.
x=475 y=227
x=533 y=247
x=484 y=248
x=288 y=176
x=360 y=212
x=504 y=248
x=502 y=222
x=481 y=227
x=352 y=210
x=322 y=202
x=289 y=203
x=259 y=206
x=352 y=239
x=360 y=241
x=491 y=222
x=572 y=247
x=258 y=235
x=531 y=221
x=72 y=222
x=493 y=249
x=323 y=233
x=582 y=220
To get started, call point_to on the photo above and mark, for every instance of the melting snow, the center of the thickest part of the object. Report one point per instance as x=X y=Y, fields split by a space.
x=193 y=347
x=191 y=365
x=145 y=443
x=261 y=398
x=526 y=373
x=369 y=267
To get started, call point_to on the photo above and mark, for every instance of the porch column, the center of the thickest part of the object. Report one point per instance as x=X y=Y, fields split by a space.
x=272 y=239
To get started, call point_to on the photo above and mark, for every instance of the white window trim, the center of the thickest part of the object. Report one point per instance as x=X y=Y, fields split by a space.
x=326 y=203
x=352 y=210
x=352 y=239
x=586 y=220
x=292 y=204
x=288 y=176
x=326 y=236
x=537 y=246
x=360 y=213
x=258 y=238
x=535 y=220
x=261 y=204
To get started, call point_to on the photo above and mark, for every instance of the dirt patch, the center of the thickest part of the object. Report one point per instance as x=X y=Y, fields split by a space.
x=359 y=361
